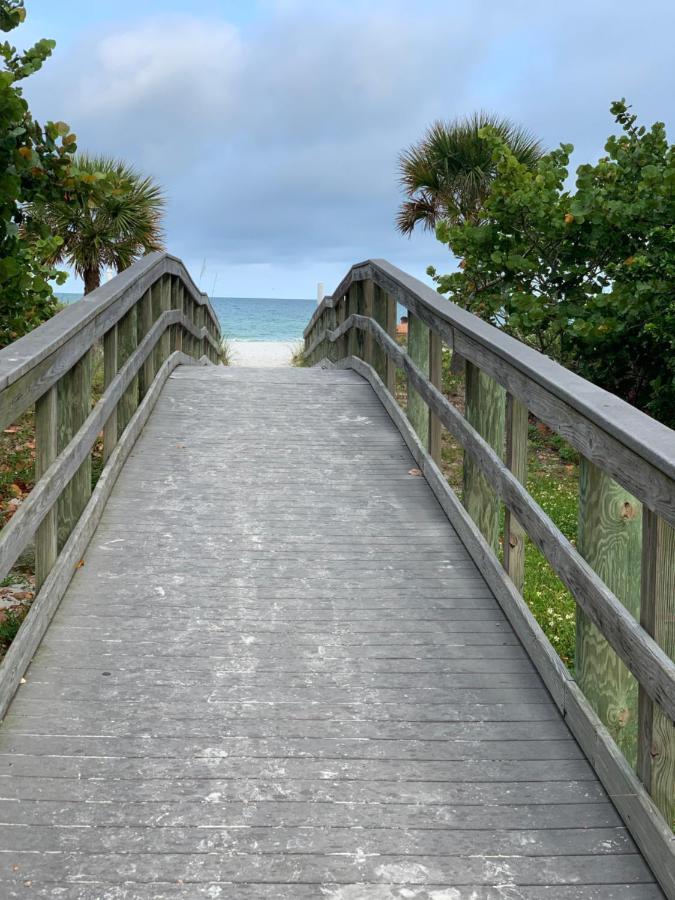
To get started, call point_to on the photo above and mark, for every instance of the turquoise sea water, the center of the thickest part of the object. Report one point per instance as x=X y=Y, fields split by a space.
x=255 y=318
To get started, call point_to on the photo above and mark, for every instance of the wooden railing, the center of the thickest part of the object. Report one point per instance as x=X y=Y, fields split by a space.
x=147 y=320
x=627 y=516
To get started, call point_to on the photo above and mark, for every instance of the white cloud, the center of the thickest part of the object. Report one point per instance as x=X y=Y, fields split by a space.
x=277 y=142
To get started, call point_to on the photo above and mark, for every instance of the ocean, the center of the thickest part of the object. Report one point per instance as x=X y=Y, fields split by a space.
x=254 y=318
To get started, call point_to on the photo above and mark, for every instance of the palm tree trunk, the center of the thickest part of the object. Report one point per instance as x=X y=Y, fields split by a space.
x=92 y=279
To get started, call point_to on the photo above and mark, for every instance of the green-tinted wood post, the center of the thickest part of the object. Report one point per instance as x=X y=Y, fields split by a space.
x=46 y=443
x=74 y=405
x=341 y=315
x=177 y=303
x=156 y=302
x=368 y=310
x=418 y=350
x=109 y=372
x=656 y=733
x=516 y=460
x=436 y=378
x=390 y=307
x=127 y=341
x=353 y=309
x=331 y=325
x=485 y=410
x=610 y=540
x=165 y=301
x=379 y=362
x=143 y=325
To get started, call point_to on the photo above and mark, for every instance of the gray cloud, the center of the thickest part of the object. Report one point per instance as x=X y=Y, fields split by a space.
x=277 y=142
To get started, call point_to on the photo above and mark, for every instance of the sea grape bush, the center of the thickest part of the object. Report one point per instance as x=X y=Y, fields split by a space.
x=35 y=164
x=585 y=275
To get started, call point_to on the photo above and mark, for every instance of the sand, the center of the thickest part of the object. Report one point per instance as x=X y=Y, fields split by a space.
x=262 y=353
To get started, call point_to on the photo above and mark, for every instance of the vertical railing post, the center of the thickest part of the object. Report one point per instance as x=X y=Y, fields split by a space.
x=109 y=372
x=418 y=350
x=390 y=328
x=656 y=733
x=516 y=460
x=380 y=315
x=46 y=444
x=74 y=405
x=341 y=315
x=177 y=304
x=352 y=309
x=609 y=539
x=369 y=311
x=436 y=378
x=165 y=306
x=156 y=305
x=143 y=325
x=127 y=341
x=484 y=409
x=331 y=325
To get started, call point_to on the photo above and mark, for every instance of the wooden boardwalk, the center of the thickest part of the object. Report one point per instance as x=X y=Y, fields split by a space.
x=279 y=674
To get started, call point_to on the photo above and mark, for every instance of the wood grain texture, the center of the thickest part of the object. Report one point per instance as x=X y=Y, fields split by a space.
x=609 y=539
x=110 y=369
x=656 y=734
x=29 y=366
x=418 y=350
x=516 y=460
x=127 y=341
x=484 y=410
x=645 y=659
x=46 y=450
x=73 y=406
x=652 y=833
x=634 y=449
x=288 y=691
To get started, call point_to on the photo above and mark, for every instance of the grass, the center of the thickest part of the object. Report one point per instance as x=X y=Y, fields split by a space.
x=225 y=352
x=298 y=359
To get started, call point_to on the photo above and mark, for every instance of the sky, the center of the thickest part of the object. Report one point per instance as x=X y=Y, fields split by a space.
x=275 y=126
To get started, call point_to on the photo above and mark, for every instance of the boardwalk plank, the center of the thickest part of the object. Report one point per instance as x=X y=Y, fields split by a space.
x=279 y=674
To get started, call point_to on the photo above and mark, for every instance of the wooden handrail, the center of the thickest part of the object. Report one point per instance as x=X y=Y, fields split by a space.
x=31 y=365
x=149 y=319
x=355 y=327
x=636 y=450
x=645 y=659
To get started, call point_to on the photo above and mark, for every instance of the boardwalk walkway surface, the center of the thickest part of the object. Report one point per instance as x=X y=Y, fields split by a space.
x=278 y=674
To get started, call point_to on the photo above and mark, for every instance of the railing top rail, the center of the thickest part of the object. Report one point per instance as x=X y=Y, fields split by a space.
x=648 y=438
x=29 y=351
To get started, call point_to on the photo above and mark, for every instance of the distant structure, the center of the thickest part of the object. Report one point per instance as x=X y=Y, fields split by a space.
x=319 y=292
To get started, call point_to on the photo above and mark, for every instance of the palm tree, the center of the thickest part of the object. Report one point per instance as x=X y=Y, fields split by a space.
x=447 y=175
x=112 y=224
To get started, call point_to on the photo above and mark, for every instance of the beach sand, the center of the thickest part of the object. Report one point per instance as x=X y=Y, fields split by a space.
x=262 y=353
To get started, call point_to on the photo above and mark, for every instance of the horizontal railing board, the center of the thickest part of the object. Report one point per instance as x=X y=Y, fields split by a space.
x=113 y=298
x=20 y=529
x=647 y=826
x=635 y=449
x=642 y=655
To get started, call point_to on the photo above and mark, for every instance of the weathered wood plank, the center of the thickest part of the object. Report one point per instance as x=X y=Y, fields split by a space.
x=656 y=734
x=110 y=369
x=645 y=659
x=418 y=350
x=46 y=450
x=127 y=341
x=516 y=460
x=73 y=406
x=484 y=410
x=609 y=539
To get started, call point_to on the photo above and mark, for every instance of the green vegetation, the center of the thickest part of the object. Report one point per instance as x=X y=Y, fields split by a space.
x=586 y=275
x=35 y=166
x=448 y=174
x=298 y=358
x=111 y=222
